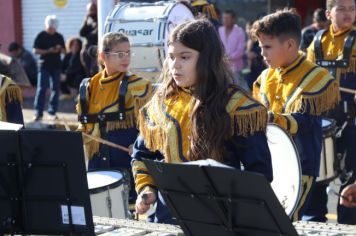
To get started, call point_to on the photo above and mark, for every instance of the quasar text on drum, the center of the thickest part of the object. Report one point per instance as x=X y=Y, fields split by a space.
x=133 y=32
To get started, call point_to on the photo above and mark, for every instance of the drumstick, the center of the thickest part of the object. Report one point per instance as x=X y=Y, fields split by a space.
x=108 y=143
x=346 y=90
x=98 y=139
x=330 y=190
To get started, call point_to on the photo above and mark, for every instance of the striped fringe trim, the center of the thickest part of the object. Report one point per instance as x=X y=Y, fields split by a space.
x=250 y=121
x=317 y=104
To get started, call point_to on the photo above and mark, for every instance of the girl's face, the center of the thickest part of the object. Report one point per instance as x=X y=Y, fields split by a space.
x=118 y=58
x=182 y=63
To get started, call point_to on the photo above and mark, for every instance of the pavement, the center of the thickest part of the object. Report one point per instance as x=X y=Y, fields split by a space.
x=66 y=113
x=68 y=118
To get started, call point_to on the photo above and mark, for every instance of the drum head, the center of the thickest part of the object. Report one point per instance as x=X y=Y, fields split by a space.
x=178 y=14
x=99 y=179
x=286 y=168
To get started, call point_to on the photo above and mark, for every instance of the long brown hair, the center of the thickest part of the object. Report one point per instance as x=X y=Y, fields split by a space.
x=211 y=124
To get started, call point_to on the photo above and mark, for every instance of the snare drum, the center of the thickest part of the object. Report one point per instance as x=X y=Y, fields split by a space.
x=329 y=169
x=287 y=174
x=148 y=26
x=107 y=194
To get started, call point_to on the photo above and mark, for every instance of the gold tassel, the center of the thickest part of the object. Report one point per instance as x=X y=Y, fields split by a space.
x=351 y=68
x=90 y=149
x=318 y=104
x=248 y=122
x=129 y=122
x=140 y=102
x=2 y=108
x=155 y=137
x=13 y=93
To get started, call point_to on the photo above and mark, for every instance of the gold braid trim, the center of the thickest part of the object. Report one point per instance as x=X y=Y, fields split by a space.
x=141 y=101
x=2 y=108
x=352 y=66
x=91 y=147
x=12 y=93
x=129 y=122
x=155 y=136
x=250 y=121
x=317 y=104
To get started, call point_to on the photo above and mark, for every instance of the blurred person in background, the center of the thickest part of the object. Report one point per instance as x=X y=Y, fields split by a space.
x=26 y=60
x=72 y=69
x=234 y=40
x=319 y=22
x=254 y=60
x=89 y=31
x=49 y=44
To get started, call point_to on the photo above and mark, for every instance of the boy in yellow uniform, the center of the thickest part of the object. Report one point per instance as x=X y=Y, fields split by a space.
x=294 y=90
x=335 y=49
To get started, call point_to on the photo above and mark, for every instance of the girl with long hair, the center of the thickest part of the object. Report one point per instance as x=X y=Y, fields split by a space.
x=197 y=114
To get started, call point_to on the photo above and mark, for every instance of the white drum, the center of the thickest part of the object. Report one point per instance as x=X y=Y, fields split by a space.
x=107 y=194
x=148 y=26
x=329 y=167
x=287 y=177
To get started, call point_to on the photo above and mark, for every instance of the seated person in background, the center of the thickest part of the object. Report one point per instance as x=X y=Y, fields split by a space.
x=26 y=60
x=72 y=68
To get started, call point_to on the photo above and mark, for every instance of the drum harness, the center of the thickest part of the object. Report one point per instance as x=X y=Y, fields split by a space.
x=332 y=66
x=102 y=118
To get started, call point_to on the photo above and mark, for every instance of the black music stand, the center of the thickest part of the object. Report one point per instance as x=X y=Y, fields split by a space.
x=43 y=184
x=208 y=200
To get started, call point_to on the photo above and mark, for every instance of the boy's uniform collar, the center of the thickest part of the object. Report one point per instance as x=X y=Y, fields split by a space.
x=281 y=71
x=339 y=33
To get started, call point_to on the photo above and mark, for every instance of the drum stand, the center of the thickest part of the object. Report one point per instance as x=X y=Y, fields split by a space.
x=108 y=202
x=126 y=193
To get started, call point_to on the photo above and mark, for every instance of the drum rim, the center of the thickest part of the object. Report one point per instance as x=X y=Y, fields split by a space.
x=330 y=129
x=299 y=167
x=110 y=186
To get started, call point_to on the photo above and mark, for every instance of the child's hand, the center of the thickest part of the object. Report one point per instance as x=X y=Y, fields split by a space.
x=130 y=149
x=144 y=200
x=349 y=193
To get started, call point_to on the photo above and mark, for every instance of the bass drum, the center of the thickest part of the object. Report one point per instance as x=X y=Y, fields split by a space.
x=287 y=177
x=148 y=26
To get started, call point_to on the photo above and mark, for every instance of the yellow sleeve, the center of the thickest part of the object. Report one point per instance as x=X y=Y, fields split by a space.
x=287 y=122
x=143 y=180
x=256 y=89
x=311 y=53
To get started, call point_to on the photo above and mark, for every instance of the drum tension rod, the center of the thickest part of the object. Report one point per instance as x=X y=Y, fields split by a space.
x=339 y=132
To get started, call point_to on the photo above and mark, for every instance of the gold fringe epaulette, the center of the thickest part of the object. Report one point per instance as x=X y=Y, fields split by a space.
x=154 y=135
x=317 y=104
x=247 y=115
x=352 y=65
x=246 y=122
x=9 y=92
